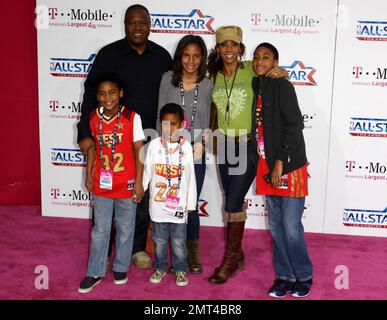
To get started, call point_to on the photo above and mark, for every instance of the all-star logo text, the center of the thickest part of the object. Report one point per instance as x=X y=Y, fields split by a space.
x=365 y=218
x=66 y=67
x=194 y=22
x=301 y=75
x=368 y=127
x=371 y=30
x=67 y=157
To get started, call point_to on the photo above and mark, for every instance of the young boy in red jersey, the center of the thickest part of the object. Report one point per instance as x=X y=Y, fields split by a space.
x=114 y=176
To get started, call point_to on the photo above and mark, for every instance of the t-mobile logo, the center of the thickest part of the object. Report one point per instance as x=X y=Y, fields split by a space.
x=54 y=105
x=356 y=71
x=53 y=12
x=55 y=193
x=255 y=18
x=350 y=165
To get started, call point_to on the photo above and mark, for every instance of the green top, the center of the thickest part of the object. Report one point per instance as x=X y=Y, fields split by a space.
x=241 y=100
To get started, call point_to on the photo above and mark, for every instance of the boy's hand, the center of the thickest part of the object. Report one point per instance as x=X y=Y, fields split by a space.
x=89 y=184
x=85 y=144
x=277 y=72
x=276 y=174
x=138 y=192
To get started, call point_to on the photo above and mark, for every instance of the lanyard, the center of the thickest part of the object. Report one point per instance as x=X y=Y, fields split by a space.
x=114 y=135
x=195 y=102
x=228 y=95
x=168 y=163
x=258 y=115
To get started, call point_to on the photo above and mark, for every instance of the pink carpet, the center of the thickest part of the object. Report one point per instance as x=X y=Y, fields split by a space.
x=29 y=240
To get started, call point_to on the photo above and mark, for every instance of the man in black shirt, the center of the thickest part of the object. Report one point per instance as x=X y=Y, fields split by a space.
x=139 y=63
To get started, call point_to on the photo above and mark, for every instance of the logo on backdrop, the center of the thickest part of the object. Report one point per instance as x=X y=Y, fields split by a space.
x=371 y=30
x=256 y=206
x=300 y=75
x=194 y=22
x=70 y=110
x=371 y=170
x=308 y=120
x=368 y=127
x=67 y=157
x=80 y=18
x=376 y=77
x=202 y=208
x=290 y=24
x=66 y=67
x=365 y=218
x=74 y=198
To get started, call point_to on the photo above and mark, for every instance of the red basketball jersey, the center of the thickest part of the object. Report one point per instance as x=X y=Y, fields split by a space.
x=123 y=165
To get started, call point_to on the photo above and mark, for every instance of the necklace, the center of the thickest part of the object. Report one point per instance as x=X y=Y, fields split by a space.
x=228 y=95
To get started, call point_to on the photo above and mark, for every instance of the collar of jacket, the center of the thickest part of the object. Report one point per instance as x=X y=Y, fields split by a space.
x=258 y=83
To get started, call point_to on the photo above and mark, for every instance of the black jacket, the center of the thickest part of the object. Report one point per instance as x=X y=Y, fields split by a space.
x=139 y=74
x=282 y=123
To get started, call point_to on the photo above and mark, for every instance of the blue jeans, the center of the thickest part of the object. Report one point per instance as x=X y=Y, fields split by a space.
x=160 y=235
x=125 y=219
x=193 y=225
x=291 y=259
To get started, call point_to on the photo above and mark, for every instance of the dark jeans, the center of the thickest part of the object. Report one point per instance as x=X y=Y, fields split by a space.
x=237 y=165
x=193 y=225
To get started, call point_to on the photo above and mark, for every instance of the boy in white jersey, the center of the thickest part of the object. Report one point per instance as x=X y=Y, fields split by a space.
x=169 y=173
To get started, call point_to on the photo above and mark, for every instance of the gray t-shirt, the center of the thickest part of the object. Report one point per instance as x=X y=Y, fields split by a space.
x=171 y=94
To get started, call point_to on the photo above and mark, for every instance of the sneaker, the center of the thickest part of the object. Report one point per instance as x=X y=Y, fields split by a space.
x=301 y=289
x=120 y=277
x=280 y=288
x=88 y=284
x=181 y=279
x=157 y=276
x=142 y=260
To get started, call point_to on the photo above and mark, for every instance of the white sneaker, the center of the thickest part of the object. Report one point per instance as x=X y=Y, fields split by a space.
x=157 y=276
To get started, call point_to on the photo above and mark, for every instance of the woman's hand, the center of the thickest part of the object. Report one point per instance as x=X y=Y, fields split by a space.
x=276 y=174
x=277 y=72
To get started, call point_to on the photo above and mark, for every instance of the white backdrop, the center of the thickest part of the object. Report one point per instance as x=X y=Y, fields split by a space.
x=334 y=51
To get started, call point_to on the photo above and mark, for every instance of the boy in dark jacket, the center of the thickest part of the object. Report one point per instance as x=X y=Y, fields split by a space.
x=282 y=173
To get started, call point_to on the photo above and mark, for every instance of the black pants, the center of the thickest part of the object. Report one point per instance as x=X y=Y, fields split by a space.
x=142 y=224
x=231 y=155
x=141 y=229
